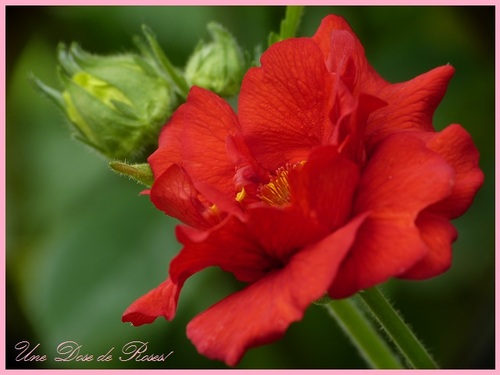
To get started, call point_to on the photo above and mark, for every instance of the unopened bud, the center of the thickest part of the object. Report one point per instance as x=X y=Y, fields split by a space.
x=219 y=65
x=117 y=103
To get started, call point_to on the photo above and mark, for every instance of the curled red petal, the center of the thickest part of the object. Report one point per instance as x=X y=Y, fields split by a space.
x=174 y=194
x=161 y=301
x=323 y=35
x=262 y=312
x=438 y=234
x=456 y=146
x=344 y=54
x=401 y=180
x=410 y=105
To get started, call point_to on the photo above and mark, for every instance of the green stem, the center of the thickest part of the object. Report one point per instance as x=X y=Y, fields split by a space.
x=289 y=25
x=291 y=22
x=364 y=336
x=392 y=323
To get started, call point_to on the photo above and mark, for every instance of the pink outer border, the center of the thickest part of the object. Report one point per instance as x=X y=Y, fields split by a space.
x=247 y=2
x=190 y=3
x=249 y=372
x=3 y=182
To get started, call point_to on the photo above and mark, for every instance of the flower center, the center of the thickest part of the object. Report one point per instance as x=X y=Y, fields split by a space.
x=277 y=191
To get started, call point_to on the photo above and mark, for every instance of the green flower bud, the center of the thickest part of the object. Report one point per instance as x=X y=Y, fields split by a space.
x=217 y=66
x=117 y=103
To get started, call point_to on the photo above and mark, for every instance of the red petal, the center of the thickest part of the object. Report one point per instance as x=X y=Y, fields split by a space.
x=323 y=35
x=411 y=104
x=170 y=141
x=283 y=104
x=456 y=146
x=247 y=170
x=282 y=232
x=226 y=246
x=174 y=194
x=345 y=55
x=324 y=188
x=262 y=312
x=161 y=301
x=402 y=179
x=350 y=127
x=248 y=250
x=207 y=121
x=384 y=248
x=438 y=234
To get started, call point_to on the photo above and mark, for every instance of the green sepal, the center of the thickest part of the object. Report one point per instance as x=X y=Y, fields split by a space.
x=170 y=72
x=52 y=94
x=141 y=173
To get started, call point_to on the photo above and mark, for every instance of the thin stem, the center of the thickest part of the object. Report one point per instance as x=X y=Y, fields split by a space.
x=364 y=336
x=399 y=332
x=289 y=25
x=291 y=22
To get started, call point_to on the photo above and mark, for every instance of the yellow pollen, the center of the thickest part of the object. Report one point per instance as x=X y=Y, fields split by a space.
x=241 y=195
x=277 y=191
x=213 y=209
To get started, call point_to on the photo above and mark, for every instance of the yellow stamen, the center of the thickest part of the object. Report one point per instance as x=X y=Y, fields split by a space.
x=214 y=209
x=241 y=195
x=277 y=191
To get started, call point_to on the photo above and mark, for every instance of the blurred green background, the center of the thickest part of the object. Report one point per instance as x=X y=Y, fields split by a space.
x=82 y=244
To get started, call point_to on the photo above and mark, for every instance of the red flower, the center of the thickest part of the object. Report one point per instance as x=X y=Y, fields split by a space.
x=328 y=180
